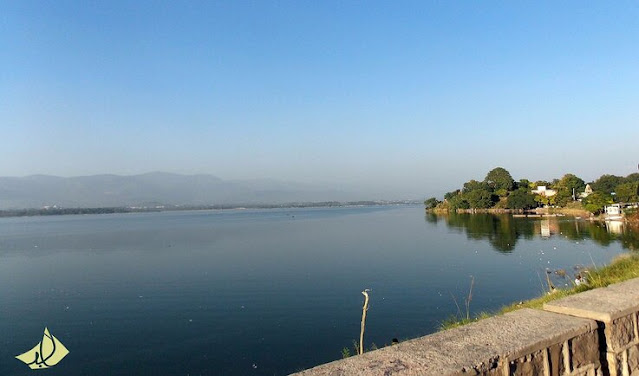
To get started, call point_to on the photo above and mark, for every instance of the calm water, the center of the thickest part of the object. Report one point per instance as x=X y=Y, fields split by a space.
x=264 y=292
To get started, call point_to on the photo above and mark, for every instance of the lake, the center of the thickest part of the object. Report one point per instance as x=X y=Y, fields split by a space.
x=266 y=292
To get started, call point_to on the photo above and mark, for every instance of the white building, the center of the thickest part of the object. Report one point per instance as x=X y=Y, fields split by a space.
x=542 y=190
x=614 y=212
x=587 y=192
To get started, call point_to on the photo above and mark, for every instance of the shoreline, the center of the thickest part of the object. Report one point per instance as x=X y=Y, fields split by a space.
x=539 y=213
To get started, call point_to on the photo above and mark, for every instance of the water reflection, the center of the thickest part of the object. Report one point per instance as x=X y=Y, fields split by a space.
x=503 y=230
x=261 y=287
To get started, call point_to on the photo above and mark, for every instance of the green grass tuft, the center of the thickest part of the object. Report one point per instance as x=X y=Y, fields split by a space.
x=454 y=321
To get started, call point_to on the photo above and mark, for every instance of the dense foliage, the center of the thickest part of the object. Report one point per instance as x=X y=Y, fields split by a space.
x=500 y=190
x=499 y=179
x=597 y=201
x=521 y=199
x=431 y=203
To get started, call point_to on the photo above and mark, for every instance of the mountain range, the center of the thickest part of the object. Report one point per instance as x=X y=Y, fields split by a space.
x=152 y=189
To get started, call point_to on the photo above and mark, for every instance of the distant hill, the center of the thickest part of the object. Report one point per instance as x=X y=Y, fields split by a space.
x=155 y=188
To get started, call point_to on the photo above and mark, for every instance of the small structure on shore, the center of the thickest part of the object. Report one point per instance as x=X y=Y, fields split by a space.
x=587 y=192
x=614 y=212
x=542 y=190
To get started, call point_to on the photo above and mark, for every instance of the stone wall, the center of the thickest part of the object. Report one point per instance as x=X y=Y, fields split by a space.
x=524 y=342
x=615 y=308
x=589 y=334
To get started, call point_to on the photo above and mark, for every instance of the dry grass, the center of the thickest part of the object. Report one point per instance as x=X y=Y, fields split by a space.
x=632 y=216
x=574 y=208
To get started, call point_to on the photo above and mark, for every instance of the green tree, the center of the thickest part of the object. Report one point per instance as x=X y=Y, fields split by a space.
x=565 y=188
x=480 y=199
x=499 y=178
x=632 y=178
x=564 y=196
x=431 y=203
x=546 y=200
x=521 y=199
x=524 y=184
x=474 y=185
x=607 y=183
x=627 y=192
x=540 y=183
x=451 y=194
x=570 y=182
x=503 y=192
x=596 y=202
x=458 y=202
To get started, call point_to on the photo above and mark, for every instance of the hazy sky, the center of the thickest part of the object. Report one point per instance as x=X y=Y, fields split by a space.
x=393 y=98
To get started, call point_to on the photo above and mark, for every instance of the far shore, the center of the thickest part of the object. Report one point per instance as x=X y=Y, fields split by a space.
x=48 y=211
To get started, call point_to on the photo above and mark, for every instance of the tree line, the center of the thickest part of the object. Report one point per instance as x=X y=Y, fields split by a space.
x=499 y=190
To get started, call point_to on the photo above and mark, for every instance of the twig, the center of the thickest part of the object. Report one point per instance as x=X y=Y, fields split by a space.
x=361 y=334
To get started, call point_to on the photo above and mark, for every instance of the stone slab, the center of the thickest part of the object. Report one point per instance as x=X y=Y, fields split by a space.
x=475 y=348
x=603 y=304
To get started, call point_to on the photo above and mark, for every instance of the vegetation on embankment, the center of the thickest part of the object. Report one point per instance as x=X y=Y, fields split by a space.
x=622 y=268
x=575 y=208
x=500 y=193
x=633 y=217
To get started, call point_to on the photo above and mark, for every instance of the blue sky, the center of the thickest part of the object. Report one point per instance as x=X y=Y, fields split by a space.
x=392 y=99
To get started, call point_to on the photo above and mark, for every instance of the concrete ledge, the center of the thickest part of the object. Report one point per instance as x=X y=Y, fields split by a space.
x=604 y=304
x=524 y=342
x=616 y=309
